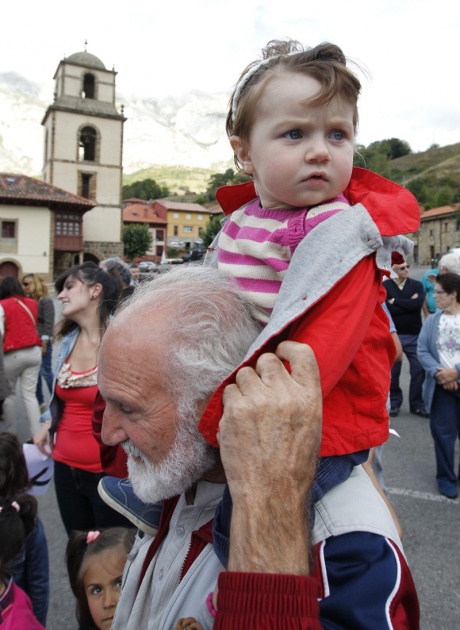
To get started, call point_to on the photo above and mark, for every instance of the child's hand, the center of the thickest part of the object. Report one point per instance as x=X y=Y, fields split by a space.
x=188 y=623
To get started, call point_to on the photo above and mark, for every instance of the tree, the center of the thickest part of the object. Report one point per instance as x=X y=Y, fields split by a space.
x=221 y=179
x=211 y=230
x=137 y=240
x=376 y=157
x=444 y=197
x=145 y=189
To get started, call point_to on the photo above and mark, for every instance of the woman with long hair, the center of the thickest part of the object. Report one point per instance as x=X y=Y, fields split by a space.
x=22 y=352
x=34 y=287
x=88 y=296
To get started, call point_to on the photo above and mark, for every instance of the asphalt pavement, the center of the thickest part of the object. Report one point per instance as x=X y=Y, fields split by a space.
x=430 y=522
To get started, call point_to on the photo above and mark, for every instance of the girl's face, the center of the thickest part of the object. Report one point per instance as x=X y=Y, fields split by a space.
x=299 y=154
x=102 y=584
x=75 y=297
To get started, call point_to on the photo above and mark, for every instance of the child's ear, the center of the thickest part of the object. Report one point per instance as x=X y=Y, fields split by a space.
x=242 y=153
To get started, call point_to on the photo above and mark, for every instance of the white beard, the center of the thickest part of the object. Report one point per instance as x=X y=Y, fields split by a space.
x=190 y=457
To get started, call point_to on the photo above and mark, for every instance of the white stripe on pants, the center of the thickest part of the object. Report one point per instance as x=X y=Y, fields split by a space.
x=24 y=366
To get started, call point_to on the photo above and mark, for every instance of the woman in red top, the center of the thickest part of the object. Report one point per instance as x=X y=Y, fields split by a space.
x=88 y=295
x=22 y=352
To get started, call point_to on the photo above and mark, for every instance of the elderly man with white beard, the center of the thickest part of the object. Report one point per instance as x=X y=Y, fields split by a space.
x=160 y=361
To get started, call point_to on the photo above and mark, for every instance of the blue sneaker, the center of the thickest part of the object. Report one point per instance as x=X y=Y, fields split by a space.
x=119 y=494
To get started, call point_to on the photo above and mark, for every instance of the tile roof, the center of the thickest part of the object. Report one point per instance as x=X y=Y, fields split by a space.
x=24 y=190
x=142 y=213
x=185 y=207
x=439 y=212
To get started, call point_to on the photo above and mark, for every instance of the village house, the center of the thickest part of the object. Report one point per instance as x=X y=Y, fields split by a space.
x=41 y=227
x=139 y=211
x=439 y=231
x=186 y=222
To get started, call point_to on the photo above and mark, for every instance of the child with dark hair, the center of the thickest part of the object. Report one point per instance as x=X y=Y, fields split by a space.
x=17 y=520
x=95 y=562
x=29 y=567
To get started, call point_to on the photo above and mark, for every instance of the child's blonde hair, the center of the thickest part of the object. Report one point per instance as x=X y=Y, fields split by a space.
x=326 y=63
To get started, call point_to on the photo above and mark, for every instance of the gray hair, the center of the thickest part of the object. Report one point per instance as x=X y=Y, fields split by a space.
x=117 y=263
x=451 y=262
x=208 y=323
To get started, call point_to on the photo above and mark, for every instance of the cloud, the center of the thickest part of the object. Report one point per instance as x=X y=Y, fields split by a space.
x=159 y=49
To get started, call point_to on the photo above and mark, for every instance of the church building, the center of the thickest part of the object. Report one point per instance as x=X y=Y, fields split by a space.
x=83 y=154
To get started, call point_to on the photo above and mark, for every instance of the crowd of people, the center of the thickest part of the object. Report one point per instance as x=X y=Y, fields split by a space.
x=215 y=430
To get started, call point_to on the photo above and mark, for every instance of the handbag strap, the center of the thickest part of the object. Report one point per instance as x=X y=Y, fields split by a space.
x=28 y=310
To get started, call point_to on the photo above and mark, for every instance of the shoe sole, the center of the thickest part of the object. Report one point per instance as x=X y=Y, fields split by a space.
x=121 y=509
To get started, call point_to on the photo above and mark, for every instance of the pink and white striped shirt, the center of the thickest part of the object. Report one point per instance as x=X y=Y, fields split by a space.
x=256 y=246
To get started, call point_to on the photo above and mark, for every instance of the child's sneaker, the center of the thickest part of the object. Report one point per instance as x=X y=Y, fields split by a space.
x=119 y=494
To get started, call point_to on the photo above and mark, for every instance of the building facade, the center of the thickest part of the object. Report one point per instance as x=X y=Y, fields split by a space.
x=139 y=211
x=439 y=231
x=186 y=222
x=84 y=149
x=40 y=224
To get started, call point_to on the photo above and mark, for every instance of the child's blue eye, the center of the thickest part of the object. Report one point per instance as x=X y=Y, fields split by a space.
x=293 y=134
x=337 y=134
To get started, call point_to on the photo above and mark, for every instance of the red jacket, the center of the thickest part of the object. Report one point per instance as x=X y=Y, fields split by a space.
x=20 y=331
x=347 y=328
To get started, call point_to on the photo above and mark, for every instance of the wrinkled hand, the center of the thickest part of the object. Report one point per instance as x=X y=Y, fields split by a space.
x=271 y=427
x=446 y=375
x=451 y=387
x=41 y=439
x=269 y=436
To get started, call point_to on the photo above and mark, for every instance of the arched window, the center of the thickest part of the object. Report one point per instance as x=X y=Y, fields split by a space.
x=89 y=84
x=87 y=144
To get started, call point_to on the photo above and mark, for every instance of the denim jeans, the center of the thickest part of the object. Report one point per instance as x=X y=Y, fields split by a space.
x=79 y=502
x=46 y=372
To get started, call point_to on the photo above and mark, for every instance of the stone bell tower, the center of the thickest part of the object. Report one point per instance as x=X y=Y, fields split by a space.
x=83 y=155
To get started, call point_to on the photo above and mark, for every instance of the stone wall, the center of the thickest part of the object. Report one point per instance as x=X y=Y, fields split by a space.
x=102 y=249
x=436 y=236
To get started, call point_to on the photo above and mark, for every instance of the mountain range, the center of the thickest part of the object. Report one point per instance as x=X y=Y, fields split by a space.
x=188 y=130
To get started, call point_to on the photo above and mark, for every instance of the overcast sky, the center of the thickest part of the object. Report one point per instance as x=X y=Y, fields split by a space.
x=410 y=48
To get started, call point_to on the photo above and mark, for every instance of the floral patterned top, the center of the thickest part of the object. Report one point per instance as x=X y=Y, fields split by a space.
x=448 y=341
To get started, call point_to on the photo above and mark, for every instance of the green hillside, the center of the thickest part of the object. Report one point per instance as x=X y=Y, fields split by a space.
x=433 y=176
x=179 y=179
x=437 y=161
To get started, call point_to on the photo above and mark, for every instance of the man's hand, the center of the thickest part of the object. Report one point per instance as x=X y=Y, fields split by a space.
x=269 y=436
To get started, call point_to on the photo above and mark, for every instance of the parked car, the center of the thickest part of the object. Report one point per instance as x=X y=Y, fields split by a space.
x=167 y=264
x=147 y=266
x=194 y=254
